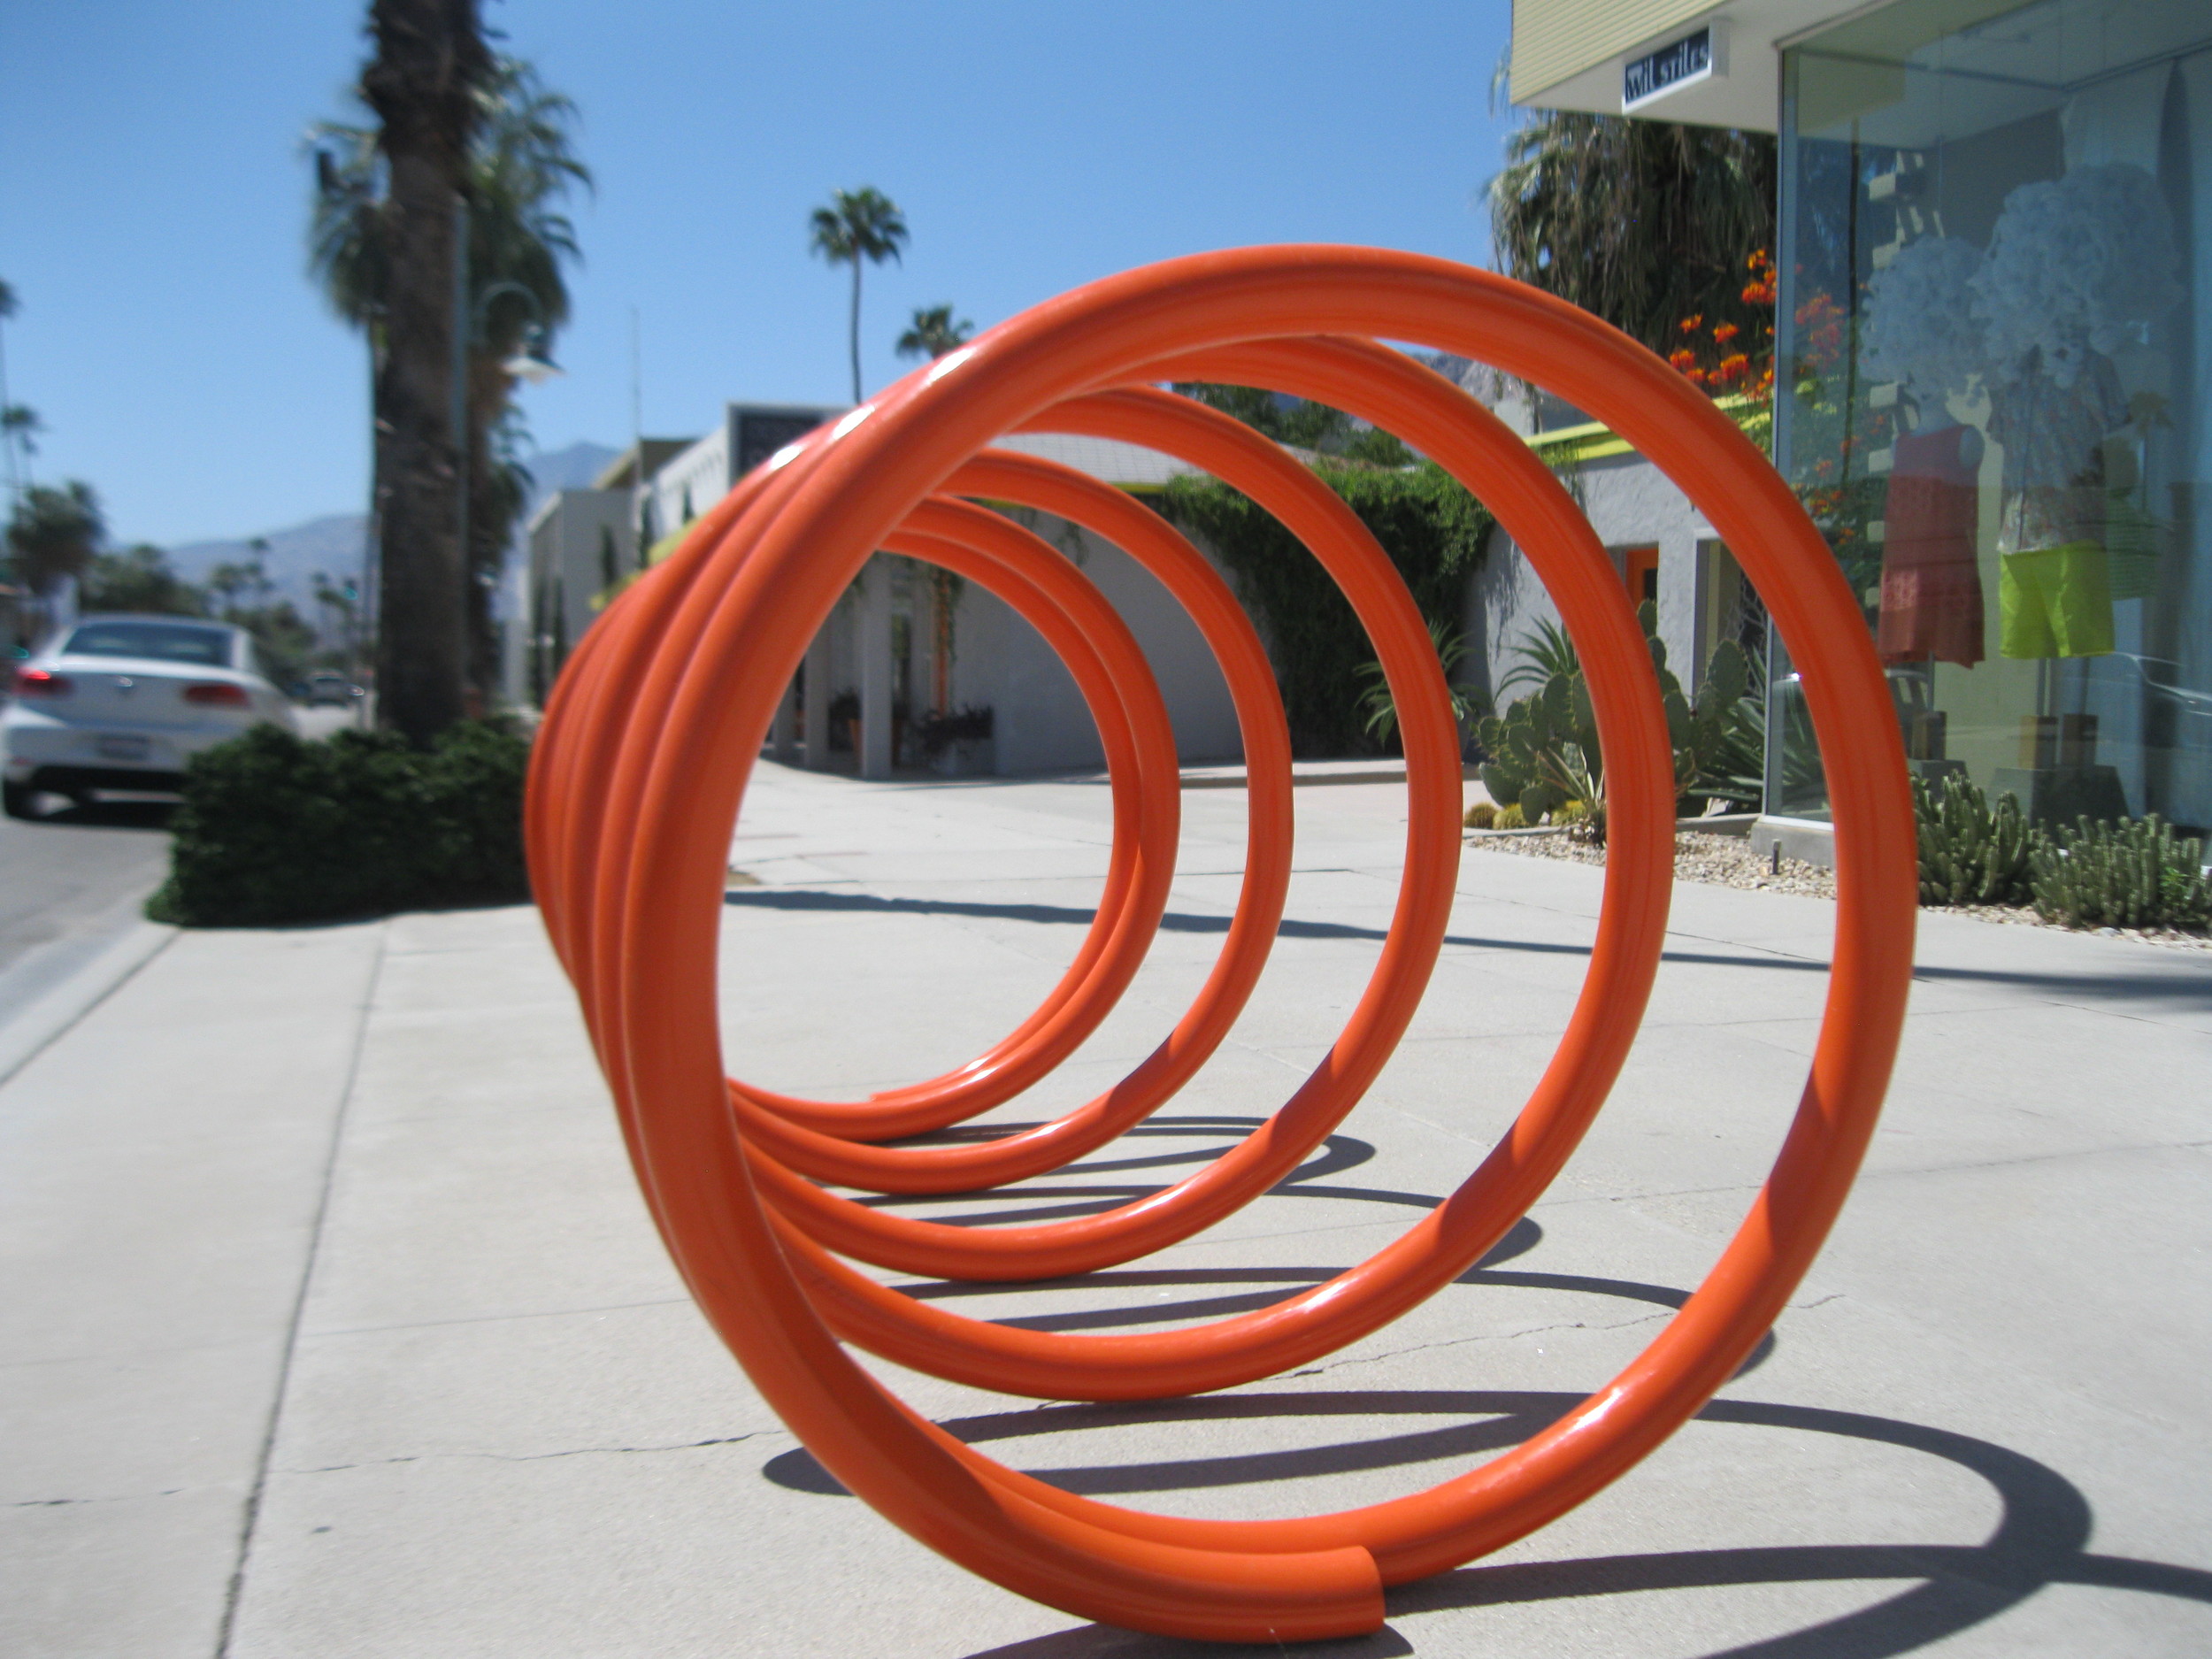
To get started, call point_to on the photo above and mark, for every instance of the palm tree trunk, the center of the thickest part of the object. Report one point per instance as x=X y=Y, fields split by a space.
x=429 y=54
x=856 y=327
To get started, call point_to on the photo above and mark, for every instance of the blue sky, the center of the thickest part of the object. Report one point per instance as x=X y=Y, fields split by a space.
x=152 y=199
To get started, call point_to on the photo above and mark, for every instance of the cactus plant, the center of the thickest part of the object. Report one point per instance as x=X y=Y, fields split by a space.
x=1543 y=751
x=1972 y=851
x=2137 y=874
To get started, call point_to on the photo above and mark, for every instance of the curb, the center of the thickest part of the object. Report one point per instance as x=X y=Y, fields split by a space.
x=85 y=984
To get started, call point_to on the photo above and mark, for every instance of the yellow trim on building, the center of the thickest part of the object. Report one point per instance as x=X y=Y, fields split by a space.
x=1570 y=446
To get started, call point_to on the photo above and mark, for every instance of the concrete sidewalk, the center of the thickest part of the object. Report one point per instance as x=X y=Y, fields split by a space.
x=335 y=1326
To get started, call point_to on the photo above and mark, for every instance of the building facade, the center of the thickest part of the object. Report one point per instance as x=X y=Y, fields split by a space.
x=680 y=487
x=1994 y=359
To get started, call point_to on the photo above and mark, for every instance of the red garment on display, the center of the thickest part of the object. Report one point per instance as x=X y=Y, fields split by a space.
x=1931 y=588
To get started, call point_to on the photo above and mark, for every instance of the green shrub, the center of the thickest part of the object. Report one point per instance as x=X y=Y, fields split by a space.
x=1434 y=532
x=1972 y=851
x=2135 y=874
x=274 y=829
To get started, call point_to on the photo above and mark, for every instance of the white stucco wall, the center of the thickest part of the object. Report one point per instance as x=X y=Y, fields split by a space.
x=1039 y=718
x=565 y=537
x=1629 y=502
x=699 y=476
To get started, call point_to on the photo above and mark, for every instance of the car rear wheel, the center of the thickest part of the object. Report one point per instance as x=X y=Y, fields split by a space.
x=19 y=800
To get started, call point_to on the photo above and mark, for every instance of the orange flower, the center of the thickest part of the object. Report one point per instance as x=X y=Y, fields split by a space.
x=1726 y=332
x=1691 y=325
x=1732 y=368
x=1760 y=289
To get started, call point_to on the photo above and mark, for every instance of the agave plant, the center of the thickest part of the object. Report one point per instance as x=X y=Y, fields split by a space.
x=1379 y=710
x=1546 y=653
x=1543 y=752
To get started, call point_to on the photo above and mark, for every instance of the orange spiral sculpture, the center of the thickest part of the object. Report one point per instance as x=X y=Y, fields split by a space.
x=641 y=769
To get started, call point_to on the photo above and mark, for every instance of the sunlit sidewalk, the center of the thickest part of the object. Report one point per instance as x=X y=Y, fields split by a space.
x=336 y=1327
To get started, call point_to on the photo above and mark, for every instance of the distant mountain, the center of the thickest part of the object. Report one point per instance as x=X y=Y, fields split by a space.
x=334 y=546
x=573 y=468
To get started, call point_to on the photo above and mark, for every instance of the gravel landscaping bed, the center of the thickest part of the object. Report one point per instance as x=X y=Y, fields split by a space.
x=1727 y=861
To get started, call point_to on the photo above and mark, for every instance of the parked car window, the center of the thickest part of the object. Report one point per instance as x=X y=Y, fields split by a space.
x=170 y=641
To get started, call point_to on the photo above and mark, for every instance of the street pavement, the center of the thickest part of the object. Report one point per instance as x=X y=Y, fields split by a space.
x=77 y=876
x=79 y=872
x=336 y=1327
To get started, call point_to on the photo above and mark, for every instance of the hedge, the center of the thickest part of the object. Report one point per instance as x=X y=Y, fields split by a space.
x=274 y=829
x=1433 y=531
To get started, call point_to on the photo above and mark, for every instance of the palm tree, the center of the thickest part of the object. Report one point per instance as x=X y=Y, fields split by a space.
x=53 y=534
x=1644 y=223
x=519 y=167
x=392 y=195
x=863 y=224
x=934 y=333
x=18 y=424
x=17 y=421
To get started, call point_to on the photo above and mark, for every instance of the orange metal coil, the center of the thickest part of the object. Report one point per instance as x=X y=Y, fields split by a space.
x=641 y=769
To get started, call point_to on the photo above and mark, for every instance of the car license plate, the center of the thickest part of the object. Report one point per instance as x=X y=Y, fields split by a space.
x=122 y=747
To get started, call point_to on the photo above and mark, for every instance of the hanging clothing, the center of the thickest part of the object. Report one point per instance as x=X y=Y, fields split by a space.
x=2054 y=442
x=2054 y=594
x=2135 y=543
x=2055 y=602
x=1931 y=589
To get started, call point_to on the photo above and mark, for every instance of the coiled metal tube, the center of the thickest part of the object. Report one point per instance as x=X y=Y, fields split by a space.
x=641 y=769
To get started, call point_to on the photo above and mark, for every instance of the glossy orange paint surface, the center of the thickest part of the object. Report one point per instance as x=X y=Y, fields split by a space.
x=639 y=772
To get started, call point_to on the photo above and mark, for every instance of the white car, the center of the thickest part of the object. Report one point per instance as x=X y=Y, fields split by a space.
x=121 y=702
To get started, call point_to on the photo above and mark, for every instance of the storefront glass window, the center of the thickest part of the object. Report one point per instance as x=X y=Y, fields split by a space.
x=1995 y=389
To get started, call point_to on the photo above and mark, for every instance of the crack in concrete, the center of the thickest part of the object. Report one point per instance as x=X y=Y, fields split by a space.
x=1463 y=1342
x=1540 y=1330
x=538 y=1457
x=122 y=1497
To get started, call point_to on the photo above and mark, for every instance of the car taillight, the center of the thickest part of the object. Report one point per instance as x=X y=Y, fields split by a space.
x=218 y=694
x=39 y=682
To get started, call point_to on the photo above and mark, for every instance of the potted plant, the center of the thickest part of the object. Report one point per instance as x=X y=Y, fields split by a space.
x=958 y=744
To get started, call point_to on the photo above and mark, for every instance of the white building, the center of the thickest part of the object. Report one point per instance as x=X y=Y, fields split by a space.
x=882 y=646
x=680 y=487
x=1660 y=543
x=883 y=659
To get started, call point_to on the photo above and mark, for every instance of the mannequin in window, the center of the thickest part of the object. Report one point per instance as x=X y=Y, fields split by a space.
x=2056 y=598
x=1931 y=589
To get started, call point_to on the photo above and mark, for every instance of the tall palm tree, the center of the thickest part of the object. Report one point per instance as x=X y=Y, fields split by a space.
x=858 y=225
x=934 y=333
x=18 y=424
x=17 y=421
x=1644 y=223
x=519 y=166
x=53 y=534
x=399 y=189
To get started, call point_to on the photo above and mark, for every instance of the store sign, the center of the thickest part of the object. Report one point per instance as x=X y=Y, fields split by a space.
x=1693 y=59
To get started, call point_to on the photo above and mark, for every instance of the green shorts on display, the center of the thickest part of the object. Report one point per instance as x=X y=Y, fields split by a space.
x=2055 y=602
